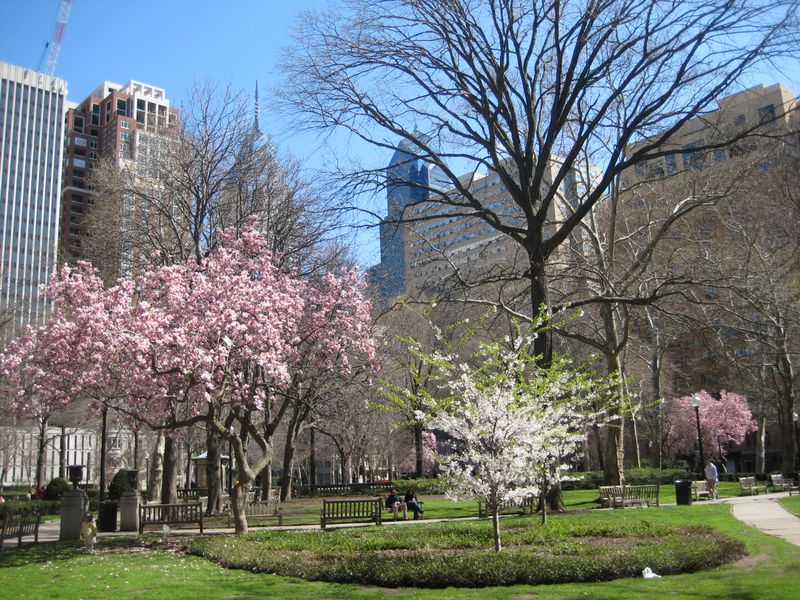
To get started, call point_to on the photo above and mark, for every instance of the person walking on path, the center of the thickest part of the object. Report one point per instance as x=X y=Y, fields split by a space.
x=711 y=479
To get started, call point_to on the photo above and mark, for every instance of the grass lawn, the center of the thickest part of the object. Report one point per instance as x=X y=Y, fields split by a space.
x=792 y=504
x=772 y=570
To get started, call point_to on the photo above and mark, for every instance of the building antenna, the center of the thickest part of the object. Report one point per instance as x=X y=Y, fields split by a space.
x=47 y=64
x=257 y=108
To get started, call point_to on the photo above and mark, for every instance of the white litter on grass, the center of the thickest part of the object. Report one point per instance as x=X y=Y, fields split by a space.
x=165 y=529
x=648 y=573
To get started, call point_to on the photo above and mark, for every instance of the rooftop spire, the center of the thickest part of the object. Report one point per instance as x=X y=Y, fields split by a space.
x=257 y=109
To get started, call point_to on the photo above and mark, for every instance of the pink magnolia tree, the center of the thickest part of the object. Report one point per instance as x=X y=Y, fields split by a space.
x=723 y=422
x=216 y=342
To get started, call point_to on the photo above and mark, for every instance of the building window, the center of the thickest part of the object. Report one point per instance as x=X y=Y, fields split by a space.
x=766 y=114
x=125 y=136
x=124 y=124
x=79 y=141
x=77 y=124
x=92 y=144
x=693 y=159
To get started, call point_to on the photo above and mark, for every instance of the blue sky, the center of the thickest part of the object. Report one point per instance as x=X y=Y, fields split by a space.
x=170 y=43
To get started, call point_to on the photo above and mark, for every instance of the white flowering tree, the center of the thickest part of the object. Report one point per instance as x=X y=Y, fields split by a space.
x=511 y=425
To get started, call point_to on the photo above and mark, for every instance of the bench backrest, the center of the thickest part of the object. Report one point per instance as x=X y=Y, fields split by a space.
x=777 y=479
x=700 y=486
x=170 y=513
x=261 y=508
x=607 y=491
x=747 y=481
x=641 y=491
x=351 y=508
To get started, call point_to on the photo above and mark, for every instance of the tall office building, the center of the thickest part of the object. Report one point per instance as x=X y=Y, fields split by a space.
x=431 y=243
x=32 y=109
x=124 y=123
x=409 y=182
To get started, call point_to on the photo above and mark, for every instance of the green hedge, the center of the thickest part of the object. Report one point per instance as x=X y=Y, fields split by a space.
x=450 y=554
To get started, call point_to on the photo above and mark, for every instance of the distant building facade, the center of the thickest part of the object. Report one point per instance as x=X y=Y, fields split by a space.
x=124 y=123
x=32 y=109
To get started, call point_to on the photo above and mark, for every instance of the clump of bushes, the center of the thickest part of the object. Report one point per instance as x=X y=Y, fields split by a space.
x=460 y=554
x=56 y=488
x=120 y=484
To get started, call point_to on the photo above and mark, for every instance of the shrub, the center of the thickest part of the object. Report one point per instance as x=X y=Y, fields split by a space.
x=423 y=485
x=119 y=485
x=567 y=550
x=56 y=488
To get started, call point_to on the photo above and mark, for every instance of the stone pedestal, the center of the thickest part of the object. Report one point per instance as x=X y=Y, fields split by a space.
x=73 y=507
x=129 y=511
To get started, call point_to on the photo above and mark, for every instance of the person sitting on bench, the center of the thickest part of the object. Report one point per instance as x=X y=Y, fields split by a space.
x=413 y=503
x=395 y=503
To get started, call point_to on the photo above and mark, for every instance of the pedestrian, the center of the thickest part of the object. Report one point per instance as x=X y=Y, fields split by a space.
x=88 y=532
x=711 y=479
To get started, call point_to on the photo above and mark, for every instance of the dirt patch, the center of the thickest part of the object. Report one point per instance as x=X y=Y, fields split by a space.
x=751 y=561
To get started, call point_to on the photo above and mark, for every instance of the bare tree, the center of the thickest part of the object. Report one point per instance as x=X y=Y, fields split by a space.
x=515 y=88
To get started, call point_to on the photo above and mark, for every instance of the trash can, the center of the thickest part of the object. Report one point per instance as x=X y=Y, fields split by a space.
x=107 y=516
x=683 y=492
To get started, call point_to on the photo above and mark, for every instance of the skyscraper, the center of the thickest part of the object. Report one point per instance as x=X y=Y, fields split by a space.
x=409 y=181
x=32 y=109
x=123 y=123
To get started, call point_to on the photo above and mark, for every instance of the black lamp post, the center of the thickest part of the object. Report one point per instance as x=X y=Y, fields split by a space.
x=719 y=447
x=795 y=418
x=696 y=399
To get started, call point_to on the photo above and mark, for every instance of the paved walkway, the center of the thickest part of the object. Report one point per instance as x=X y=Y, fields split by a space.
x=762 y=512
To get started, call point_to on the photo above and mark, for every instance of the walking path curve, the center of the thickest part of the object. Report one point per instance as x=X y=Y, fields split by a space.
x=762 y=512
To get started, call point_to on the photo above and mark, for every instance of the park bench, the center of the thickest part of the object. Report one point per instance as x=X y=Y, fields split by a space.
x=749 y=485
x=637 y=495
x=519 y=505
x=170 y=514
x=350 y=510
x=620 y=496
x=783 y=484
x=261 y=508
x=20 y=523
x=700 y=490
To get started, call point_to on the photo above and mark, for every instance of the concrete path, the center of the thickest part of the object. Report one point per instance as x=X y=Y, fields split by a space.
x=762 y=512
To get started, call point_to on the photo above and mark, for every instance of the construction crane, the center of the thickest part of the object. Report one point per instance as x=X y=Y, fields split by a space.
x=51 y=49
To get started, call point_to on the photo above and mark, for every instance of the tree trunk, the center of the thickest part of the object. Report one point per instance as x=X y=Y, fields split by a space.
x=169 y=482
x=540 y=300
x=418 y=450
x=788 y=432
x=614 y=471
x=496 y=526
x=636 y=441
x=154 y=477
x=599 y=444
x=238 y=501
x=762 y=437
x=312 y=459
x=62 y=454
x=213 y=472
x=41 y=446
x=187 y=482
